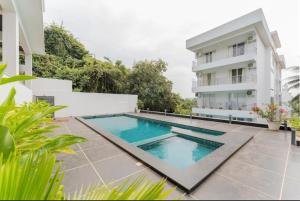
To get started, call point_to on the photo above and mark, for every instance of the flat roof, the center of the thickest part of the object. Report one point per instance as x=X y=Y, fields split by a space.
x=255 y=18
x=31 y=23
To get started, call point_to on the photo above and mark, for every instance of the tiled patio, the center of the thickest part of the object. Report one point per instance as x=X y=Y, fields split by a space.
x=266 y=168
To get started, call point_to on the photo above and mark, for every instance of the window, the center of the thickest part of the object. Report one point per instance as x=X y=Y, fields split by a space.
x=238 y=49
x=209 y=79
x=237 y=75
x=208 y=57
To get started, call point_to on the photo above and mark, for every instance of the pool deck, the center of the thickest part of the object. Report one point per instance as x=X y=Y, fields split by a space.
x=267 y=167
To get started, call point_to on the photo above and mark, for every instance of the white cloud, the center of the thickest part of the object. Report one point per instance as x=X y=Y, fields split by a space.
x=132 y=30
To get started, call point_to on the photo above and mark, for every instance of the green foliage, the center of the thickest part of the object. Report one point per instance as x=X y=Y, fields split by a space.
x=38 y=177
x=272 y=112
x=62 y=43
x=140 y=104
x=24 y=128
x=152 y=87
x=30 y=177
x=295 y=123
x=28 y=165
x=185 y=106
x=295 y=104
x=140 y=189
x=7 y=144
x=67 y=58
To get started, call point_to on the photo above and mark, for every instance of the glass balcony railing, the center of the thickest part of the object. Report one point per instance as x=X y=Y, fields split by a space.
x=249 y=49
x=240 y=79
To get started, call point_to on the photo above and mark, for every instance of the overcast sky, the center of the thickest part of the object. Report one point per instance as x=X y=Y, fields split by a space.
x=133 y=30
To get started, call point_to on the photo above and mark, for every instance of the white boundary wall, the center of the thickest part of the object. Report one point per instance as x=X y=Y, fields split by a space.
x=23 y=94
x=82 y=104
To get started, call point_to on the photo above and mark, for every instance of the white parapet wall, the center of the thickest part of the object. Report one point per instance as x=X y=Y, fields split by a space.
x=83 y=104
x=23 y=94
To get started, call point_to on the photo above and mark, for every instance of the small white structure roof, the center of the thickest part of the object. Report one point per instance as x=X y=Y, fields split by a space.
x=30 y=13
x=255 y=18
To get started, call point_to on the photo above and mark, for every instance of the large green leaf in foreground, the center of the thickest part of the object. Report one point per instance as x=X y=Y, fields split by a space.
x=30 y=177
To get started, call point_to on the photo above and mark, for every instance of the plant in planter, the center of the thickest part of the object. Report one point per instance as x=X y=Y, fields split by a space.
x=140 y=105
x=295 y=124
x=273 y=114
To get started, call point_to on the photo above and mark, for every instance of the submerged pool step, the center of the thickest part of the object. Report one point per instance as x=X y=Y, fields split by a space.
x=140 y=143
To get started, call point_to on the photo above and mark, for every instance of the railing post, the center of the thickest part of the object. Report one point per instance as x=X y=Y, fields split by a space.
x=230 y=119
x=285 y=125
x=165 y=112
x=293 y=142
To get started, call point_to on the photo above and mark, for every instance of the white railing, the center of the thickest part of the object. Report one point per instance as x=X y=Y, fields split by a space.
x=249 y=49
x=224 y=80
x=227 y=106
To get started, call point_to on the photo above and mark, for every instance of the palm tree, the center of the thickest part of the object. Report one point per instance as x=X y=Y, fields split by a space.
x=293 y=81
x=293 y=84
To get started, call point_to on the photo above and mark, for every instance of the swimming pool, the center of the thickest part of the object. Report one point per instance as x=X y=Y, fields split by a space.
x=133 y=130
x=180 y=151
x=185 y=156
x=157 y=138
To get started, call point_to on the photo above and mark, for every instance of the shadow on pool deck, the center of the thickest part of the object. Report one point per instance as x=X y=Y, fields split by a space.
x=265 y=168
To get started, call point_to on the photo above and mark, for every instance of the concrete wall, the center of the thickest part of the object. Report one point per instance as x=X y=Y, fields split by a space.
x=82 y=104
x=23 y=93
x=42 y=86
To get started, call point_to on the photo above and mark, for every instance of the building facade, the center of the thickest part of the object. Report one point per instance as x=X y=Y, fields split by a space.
x=237 y=66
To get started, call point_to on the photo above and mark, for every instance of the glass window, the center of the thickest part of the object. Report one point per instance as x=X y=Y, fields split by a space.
x=238 y=49
x=237 y=75
x=208 y=57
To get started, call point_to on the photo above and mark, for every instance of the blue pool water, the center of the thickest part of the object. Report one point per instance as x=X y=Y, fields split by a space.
x=156 y=138
x=180 y=151
x=133 y=129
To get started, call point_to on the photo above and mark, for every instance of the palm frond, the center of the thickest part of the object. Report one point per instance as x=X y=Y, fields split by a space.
x=140 y=189
x=30 y=177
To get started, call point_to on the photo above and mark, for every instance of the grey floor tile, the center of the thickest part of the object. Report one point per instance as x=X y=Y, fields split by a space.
x=291 y=189
x=258 y=178
x=293 y=167
x=276 y=152
x=247 y=129
x=261 y=160
x=295 y=149
x=117 y=168
x=107 y=151
x=72 y=161
x=80 y=178
x=220 y=188
x=94 y=143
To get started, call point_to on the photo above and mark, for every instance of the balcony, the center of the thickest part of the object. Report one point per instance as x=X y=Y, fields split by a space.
x=224 y=112
x=236 y=83
x=226 y=60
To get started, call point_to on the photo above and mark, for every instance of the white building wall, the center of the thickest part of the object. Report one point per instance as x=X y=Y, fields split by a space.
x=82 y=104
x=23 y=93
x=263 y=74
x=42 y=86
x=10 y=41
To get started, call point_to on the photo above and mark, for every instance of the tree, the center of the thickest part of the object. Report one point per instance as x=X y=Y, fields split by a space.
x=185 y=106
x=152 y=87
x=293 y=81
x=62 y=43
x=293 y=84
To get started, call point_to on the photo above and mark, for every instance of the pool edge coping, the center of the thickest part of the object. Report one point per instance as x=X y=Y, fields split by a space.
x=207 y=165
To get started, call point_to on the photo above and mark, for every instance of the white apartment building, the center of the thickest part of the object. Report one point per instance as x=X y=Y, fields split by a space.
x=237 y=66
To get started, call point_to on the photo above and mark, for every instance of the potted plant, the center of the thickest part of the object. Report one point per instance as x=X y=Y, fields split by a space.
x=140 y=105
x=272 y=113
x=294 y=123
